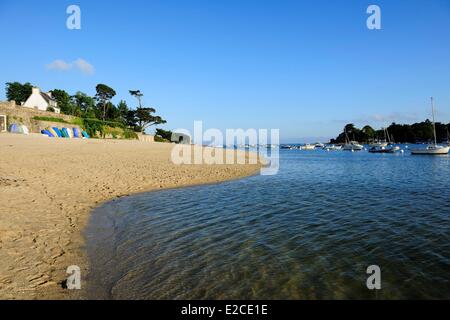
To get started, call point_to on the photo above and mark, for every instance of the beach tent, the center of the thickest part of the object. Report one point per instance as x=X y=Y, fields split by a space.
x=58 y=132
x=85 y=135
x=48 y=133
x=65 y=133
x=76 y=133
x=70 y=132
x=52 y=131
x=18 y=128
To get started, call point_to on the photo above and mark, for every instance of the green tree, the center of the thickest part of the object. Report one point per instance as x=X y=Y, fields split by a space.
x=138 y=95
x=85 y=104
x=353 y=133
x=63 y=100
x=15 y=91
x=113 y=113
x=145 y=118
x=350 y=128
x=165 y=134
x=103 y=96
x=369 y=133
x=128 y=117
x=401 y=133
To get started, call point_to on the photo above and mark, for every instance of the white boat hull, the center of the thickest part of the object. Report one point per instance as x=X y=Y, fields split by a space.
x=432 y=150
x=308 y=147
x=353 y=147
x=378 y=145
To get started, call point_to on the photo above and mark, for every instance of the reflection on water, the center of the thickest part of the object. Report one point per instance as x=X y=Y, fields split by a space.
x=309 y=232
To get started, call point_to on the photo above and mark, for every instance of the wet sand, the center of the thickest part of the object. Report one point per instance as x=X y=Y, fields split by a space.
x=48 y=188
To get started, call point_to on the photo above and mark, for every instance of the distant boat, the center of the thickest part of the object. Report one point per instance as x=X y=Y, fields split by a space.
x=319 y=145
x=378 y=144
x=385 y=147
x=308 y=147
x=432 y=149
x=289 y=147
x=351 y=145
x=332 y=147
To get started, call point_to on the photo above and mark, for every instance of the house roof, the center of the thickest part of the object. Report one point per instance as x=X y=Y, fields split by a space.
x=47 y=97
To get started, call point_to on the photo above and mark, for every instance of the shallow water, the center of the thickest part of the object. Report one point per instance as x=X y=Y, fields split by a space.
x=309 y=232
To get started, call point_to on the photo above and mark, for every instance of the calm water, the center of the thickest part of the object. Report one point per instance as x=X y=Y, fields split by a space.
x=309 y=232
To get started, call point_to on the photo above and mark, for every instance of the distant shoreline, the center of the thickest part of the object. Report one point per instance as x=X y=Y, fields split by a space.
x=50 y=187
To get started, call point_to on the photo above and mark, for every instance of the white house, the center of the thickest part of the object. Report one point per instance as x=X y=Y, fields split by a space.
x=41 y=101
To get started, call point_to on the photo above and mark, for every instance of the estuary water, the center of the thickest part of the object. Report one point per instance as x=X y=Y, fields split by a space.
x=309 y=232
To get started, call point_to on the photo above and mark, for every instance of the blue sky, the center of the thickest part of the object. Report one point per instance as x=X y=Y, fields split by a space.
x=306 y=67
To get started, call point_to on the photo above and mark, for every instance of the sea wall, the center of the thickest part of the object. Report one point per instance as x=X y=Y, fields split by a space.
x=22 y=115
x=146 y=138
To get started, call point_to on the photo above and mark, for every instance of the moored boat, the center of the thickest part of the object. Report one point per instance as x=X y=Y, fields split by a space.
x=384 y=147
x=432 y=149
x=319 y=145
x=332 y=147
x=351 y=145
x=308 y=147
x=387 y=149
x=378 y=144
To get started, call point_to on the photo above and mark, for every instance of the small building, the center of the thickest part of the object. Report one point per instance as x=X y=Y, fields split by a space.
x=180 y=138
x=41 y=101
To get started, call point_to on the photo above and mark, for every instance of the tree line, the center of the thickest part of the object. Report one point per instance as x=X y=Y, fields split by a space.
x=97 y=107
x=401 y=133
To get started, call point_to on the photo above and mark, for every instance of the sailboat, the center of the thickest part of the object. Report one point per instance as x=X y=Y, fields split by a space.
x=389 y=147
x=351 y=145
x=377 y=144
x=432 y=149
x=332 y=147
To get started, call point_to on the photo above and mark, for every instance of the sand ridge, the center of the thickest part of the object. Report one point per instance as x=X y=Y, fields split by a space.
x=48 y=188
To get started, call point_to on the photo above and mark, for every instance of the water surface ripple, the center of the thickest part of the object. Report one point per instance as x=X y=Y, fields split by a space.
x=309 y=232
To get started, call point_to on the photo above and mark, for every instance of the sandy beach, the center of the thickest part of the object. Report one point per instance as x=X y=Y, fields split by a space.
x=48 y=188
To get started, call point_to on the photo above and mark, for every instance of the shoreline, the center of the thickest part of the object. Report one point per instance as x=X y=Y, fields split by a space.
x=83 y=294
x=50 y=188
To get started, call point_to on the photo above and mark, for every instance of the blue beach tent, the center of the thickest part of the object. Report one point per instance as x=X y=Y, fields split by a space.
x=58 y=132
x=65 y=133
x=76 y=133
x=48 y=133
x=18 y=128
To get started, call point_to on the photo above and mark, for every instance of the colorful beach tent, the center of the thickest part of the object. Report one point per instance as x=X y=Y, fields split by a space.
x=84 y=133
x=76 y=133
x=65 y=133
x=58 y=132
x=48 y=133
x=70 y=132
x=18 y=128
x=52 y=131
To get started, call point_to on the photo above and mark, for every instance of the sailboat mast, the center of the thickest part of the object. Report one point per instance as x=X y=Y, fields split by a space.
x=434 y=124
